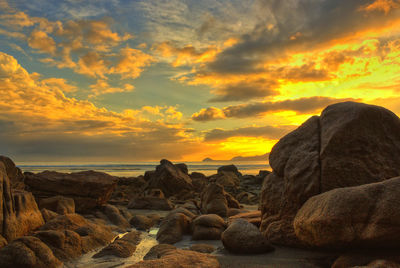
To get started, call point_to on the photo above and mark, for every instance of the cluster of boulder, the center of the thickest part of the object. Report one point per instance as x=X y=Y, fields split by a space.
x=334 y=185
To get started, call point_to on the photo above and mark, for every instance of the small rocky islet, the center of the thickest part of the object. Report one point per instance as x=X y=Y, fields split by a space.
x=331 y=200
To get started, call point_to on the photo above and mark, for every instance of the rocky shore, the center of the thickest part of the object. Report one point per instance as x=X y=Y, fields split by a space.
x=331 y=200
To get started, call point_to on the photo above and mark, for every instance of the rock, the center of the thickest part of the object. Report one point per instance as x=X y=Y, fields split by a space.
x=180 y=258
x=48 y=214
x=183 y=167
x=29 y=252
x=253 y=217
x=65 y=245
x=155 y=193
x=60 y=204
x=170 y=179
x=359 y=216
x=199 y=181
x=149 y=202
x=3 y=241
x=115 y=217
x=89 y=189
x=203 y=248
x=208 y=227
x=173 y=227
x=126 y=189
x=349 y=144
x=142 y=222
x=242 y=237
x=367 y=259
x=232 y=202
x=227 y=179
x=184 y=211
x=383 y=263
x=157 y=251
x=13 y=173
x=229 y=168
x=213 y=200
x=92 y=235
x=123 y=247
x=192 y=206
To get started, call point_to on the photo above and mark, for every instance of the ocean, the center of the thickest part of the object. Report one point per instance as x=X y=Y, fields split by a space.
x=136 y=169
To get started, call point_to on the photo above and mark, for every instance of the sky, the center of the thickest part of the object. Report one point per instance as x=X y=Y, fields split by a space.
x=142 y=80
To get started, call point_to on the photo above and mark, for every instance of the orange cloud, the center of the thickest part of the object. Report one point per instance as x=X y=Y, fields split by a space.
x=42 y=42
x=131 y=62
x=102 y=87
x=381 y=5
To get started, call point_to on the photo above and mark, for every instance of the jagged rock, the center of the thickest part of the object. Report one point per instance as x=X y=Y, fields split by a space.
x=28 y=252
x=180 y=258
x=150 y=202
x=123 y=247
x=170 y=179
x=126 y=189
x=199 y=181
x=359 y=216
x=13 y=173
x=208 y=227
x=349 y=144
x=60 y=204
x=89 y=189
x=242 y=237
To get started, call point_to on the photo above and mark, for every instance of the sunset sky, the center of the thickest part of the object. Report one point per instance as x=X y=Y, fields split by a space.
x=116 y=80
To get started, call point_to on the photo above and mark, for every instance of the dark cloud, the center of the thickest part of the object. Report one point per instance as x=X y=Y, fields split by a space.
x=269 y=132
x=300 y=106
x=245 y=91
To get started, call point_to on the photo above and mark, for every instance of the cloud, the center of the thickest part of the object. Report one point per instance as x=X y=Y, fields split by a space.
x=42 y=42
x=269 y=132
x=301 y=106
x=40 y=122
x=102 y=87
x=381 y=5
x=131 y=62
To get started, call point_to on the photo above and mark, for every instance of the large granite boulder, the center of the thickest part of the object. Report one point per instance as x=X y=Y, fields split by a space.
x=13 y=173
x=242 y=237
x=28 y=252
x=359 y=216
x=19 y=213
x=89 y=189
x=59 y=204
x=171 y=179
x=214 y=200
x=176 y=224
x=349 y=144
x=208 y=227
x=150 y=202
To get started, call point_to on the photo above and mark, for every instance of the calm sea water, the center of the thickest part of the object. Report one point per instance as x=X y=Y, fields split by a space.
x=136 y=169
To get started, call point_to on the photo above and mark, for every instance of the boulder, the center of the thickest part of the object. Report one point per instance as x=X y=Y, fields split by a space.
x=242 y=237
x=199 y=181
x=28 y=252
x=89 y=189
x=123 y=247
x=142 y=222
x=157 y=251
x=359 y=216
x=170 y=179
x=114 y=216
x=229 y=168
x=13 y=173
x=253 y=217
x=208 y=227
x=19 y=213
x=150 y=202
x=180 y=258
x=126 y=189
x=93 y=235
x=349 y=144
x=214 y=200
x=227 y=179
x=173 y=227
x=48 y=214
x=65 y=245
x=203 y=248
x=59 y=204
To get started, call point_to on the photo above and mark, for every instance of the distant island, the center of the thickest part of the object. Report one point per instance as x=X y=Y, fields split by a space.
x=263 y=157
